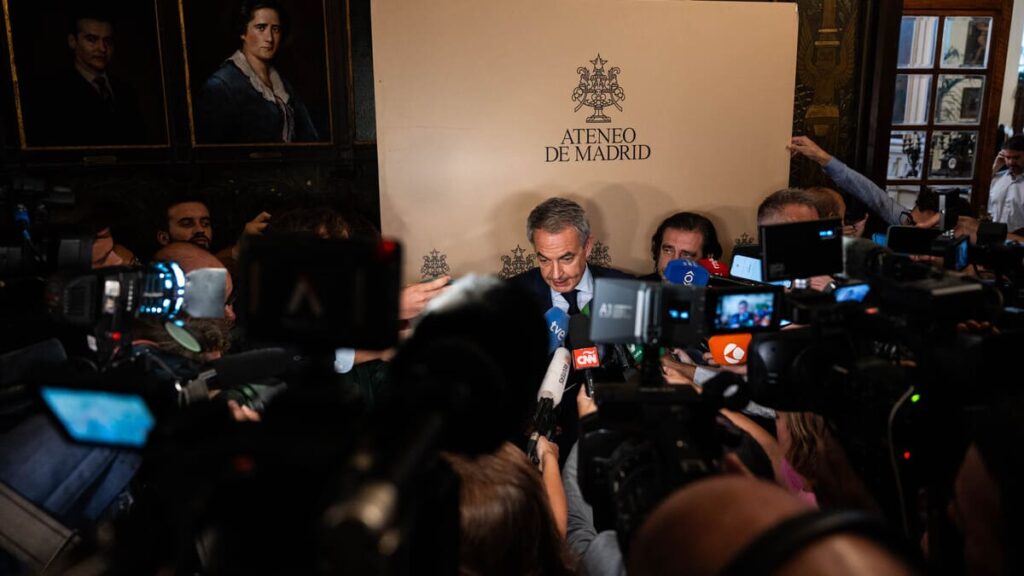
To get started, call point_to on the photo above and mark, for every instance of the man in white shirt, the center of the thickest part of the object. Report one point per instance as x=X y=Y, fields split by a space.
x=1006 y=195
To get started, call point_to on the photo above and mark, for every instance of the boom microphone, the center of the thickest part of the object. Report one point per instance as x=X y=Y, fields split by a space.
x=687 y=273
x=548 y=397
x=557 y=322
x=236 y=370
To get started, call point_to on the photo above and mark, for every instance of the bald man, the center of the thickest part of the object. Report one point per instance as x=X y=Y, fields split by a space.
x=192 y=257
x=704 y=526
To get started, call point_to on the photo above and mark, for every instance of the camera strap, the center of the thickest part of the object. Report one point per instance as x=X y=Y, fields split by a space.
x=30 y=534
x=769 y=551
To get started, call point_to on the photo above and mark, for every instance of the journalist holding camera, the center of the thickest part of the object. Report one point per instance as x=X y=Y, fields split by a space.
x=821 y=404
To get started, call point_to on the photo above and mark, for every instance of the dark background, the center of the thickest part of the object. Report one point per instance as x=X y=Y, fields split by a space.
x=40 y=29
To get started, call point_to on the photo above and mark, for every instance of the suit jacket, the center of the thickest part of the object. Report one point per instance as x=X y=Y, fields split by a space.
x=533 y=282
x=568 y=418
x=230 y=111
x=70 y=112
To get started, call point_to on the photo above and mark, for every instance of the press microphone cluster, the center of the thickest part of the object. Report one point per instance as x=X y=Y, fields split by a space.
x=548 y=398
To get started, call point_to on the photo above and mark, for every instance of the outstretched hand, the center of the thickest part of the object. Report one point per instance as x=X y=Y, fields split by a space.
x=416 y=296
x=806 y=147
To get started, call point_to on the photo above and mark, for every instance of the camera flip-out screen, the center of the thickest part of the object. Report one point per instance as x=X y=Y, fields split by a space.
x=802 y=249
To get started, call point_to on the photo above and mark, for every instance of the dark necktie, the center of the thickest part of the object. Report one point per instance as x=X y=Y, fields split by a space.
x=101 y=85
x=570 y=297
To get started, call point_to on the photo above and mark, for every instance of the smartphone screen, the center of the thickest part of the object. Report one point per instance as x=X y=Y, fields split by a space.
x=852 y=292
x=100 y=417
x=749 y=268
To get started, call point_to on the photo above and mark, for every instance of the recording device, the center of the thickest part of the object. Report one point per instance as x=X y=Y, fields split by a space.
x=586 y=356
x=101 y=417
x=930 y=242
x=849 y=365
x=646 y=442
x=801 y=249
x=631 y=311
x=548 y=398
x=686 y=273
x=854 y=292
x=320 y=294
x=730 y=349
x=557 y=322
x=746 y=265
x=713 y=266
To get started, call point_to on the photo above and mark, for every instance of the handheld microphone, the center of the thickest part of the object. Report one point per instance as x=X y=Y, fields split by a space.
x=687 y=273
x=557 y=322
x=585 y=354
x=236 y=370
x=548 y=398
x=730 y=349
x=714 y=267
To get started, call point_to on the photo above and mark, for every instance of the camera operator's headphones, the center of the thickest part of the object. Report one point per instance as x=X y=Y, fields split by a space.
x=772 y=549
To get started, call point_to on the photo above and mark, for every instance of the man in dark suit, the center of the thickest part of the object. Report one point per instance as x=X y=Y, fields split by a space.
x=560 y=234
x=83 y=104
x=682 y=235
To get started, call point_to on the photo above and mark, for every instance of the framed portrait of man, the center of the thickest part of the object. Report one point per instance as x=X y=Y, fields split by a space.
x=87 y=74
x=257 y=72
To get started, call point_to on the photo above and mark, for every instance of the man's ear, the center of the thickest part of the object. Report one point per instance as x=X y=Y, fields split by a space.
x=72 y=41
x=163 y=238
x=587 y=247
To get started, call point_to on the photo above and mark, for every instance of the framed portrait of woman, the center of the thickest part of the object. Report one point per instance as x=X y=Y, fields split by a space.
x=87 y=75
x=257 y=72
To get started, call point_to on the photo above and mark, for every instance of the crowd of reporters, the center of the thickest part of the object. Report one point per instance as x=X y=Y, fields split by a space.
x=458 y=397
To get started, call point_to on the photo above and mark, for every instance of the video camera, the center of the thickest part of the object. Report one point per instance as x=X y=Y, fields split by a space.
x=658 y=314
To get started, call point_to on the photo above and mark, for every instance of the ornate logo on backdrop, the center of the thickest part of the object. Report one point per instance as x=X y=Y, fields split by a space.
x=599 y=90
x=599 y=256
x=517 y=263
x=744 y=240
x=435 y=265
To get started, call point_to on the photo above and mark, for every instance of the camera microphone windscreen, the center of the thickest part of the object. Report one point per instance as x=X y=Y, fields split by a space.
x=687 y=273
x=246 y=367
x=730 y=349
x=553 y=384
x=557 y=322
x=714 y=267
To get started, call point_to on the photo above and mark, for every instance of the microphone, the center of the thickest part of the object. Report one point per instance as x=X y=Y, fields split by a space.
x=585 y=354
x=548 y=397
x=714 y=267
x=730 y=349
x=687 y=273
x=557 y=322
x=236 y=370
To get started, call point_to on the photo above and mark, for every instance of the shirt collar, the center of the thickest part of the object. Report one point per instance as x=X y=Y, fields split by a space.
x=272 y=95
x=585 y=292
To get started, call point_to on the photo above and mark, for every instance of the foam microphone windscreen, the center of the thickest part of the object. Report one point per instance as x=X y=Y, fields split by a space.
x=714 y=267
x=246 y=367
x=730 y=349
x=557 y=322
x=553 y=384
x=687 y=273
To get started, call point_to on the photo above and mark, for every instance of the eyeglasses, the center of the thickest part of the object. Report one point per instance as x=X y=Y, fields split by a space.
x=907 y=218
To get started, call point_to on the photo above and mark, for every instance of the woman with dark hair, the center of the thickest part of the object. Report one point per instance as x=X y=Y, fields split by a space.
x=246 y=99
x=506 y=521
